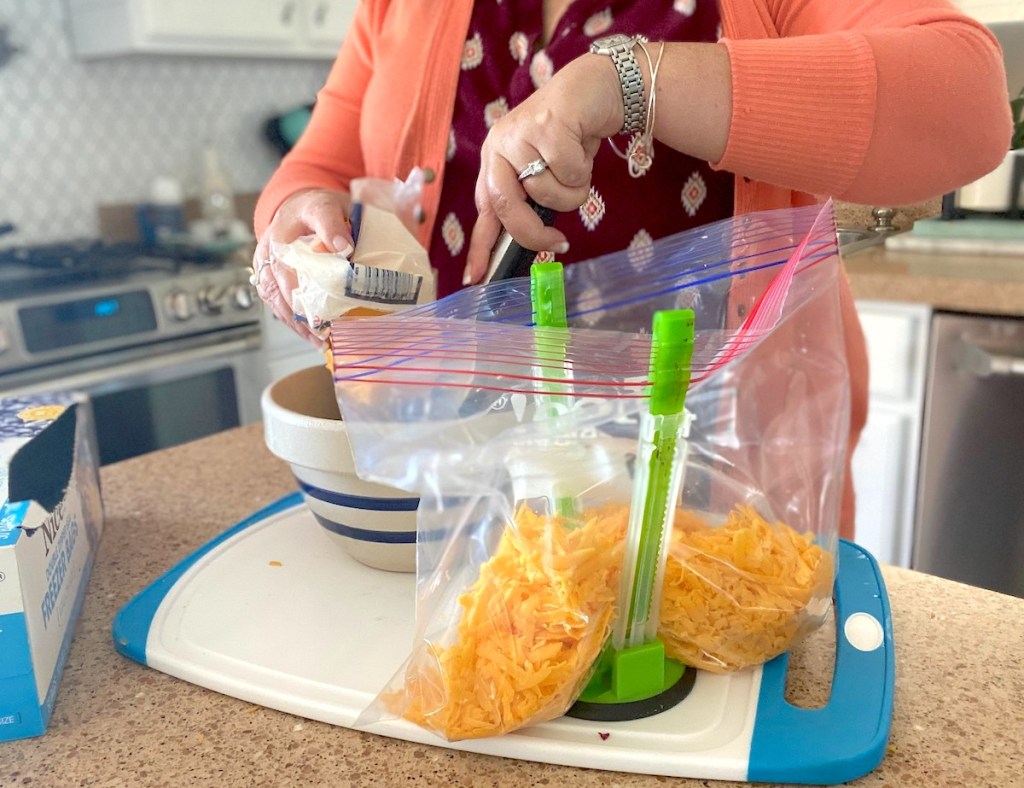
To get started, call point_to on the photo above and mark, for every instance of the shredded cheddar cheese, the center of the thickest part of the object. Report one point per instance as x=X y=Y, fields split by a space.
x=535 y=620
x=742 y=593
x=532 y=626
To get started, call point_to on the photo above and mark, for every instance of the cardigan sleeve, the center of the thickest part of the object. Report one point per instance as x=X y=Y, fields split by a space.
x=882 y=102
x=328 y=155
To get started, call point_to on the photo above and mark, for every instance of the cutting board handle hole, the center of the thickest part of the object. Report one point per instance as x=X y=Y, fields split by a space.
x=812 y=664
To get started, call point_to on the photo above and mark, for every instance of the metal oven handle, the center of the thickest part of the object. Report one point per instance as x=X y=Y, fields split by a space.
x=984 y=363
x=143 y=369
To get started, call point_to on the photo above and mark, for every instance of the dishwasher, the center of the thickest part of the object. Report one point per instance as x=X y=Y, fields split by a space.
x=970 y=514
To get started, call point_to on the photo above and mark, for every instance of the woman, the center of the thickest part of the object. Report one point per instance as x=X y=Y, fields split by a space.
x=880 y=102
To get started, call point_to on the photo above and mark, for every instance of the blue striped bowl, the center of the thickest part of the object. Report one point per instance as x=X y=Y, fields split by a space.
x=375 y=524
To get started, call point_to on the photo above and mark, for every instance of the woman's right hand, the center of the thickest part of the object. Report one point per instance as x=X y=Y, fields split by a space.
x=319 y=212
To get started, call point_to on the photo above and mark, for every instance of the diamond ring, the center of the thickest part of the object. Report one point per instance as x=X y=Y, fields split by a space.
x=535 y=167
x=254 y=277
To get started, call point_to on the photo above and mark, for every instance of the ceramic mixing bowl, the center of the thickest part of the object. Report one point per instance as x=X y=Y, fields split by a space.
x=374 y=523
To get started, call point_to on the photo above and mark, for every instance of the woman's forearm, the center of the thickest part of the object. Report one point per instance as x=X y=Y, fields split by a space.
x=888 y=115
x=693 y=97
x=880 y=115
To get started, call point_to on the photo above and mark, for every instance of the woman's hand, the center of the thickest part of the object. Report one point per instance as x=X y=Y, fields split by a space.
x=563 y=123
x=320 y=212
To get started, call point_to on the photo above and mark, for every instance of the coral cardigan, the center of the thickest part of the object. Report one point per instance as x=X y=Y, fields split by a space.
x=882 y=102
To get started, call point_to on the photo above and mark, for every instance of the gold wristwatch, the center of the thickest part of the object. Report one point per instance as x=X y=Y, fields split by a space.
x=619 y=48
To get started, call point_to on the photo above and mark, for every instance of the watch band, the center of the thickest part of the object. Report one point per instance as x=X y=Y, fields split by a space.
x=620 y=49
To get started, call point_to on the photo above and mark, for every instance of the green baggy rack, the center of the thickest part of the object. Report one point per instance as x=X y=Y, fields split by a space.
x=633 y=678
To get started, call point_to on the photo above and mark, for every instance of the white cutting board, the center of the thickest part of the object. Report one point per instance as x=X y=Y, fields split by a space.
x=275 y=613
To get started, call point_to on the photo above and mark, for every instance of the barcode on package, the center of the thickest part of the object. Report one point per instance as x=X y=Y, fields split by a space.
x=383 y=286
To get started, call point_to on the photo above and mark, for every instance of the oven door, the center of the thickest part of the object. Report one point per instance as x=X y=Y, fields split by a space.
x=970 y=512
x=168 y=397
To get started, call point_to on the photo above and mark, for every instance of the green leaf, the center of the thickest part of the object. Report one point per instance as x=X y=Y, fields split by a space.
x=1017 y=112
x=1016 y=107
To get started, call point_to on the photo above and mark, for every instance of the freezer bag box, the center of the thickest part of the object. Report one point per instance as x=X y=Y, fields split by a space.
x=51 y=518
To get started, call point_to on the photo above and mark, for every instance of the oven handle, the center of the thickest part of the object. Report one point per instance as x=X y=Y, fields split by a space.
x=983 y=363
x=122 y=375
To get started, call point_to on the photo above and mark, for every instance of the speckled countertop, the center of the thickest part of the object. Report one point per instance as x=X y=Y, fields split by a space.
x=959 y=283
x=959 y=706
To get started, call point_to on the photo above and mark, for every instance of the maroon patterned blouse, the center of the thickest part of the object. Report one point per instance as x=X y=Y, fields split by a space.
x=503 y=63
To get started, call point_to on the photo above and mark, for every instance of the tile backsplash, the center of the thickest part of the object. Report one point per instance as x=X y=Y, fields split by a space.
x=76 y=134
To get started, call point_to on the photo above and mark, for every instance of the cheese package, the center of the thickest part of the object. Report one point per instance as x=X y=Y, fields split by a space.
x=387 y=271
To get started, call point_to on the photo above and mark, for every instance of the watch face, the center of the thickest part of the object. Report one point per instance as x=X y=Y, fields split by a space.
x=602 y=45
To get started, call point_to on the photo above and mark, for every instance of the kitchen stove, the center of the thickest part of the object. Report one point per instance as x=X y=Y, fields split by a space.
x=67 y=302
x=167 y=345
x=27 y=270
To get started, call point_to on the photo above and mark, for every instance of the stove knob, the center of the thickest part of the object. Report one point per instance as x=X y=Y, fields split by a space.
x=212 y=300
x=243 y=297
x=179 y=305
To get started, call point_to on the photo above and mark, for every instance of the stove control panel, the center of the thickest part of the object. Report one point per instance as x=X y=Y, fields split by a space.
x=134 y=311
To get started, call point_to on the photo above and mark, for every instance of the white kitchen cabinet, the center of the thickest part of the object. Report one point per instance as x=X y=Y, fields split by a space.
x=252 y=28
x=324 y=19
x=886 y=461
x=256 y=22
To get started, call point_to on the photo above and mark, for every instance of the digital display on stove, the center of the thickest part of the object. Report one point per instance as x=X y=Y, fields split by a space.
x=85 y=320
x=106 y=308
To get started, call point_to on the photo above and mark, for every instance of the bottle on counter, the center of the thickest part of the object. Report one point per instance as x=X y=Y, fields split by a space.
x=218 y=229
x=216 y=197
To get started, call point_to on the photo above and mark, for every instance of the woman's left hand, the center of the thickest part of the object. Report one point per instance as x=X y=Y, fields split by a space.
x=561 y=124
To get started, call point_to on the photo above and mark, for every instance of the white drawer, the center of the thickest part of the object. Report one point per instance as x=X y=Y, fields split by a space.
x=883 y=479
x=897 y=339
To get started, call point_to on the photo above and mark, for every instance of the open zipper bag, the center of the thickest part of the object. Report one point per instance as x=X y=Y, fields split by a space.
x=523 y=442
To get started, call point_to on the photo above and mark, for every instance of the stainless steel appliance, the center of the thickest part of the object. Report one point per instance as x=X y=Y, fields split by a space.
x=168 y=347
x=970 y=518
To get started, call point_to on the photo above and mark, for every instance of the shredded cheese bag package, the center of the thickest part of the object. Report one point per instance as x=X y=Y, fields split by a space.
x=386 y=270
x=521 y=444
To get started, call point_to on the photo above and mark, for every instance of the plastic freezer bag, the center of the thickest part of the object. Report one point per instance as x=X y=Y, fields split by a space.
x=521 y=442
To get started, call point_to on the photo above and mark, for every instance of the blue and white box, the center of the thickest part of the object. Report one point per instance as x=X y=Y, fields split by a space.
x=51 y=518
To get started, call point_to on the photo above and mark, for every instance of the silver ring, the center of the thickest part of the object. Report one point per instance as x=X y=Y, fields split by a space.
x=254 y=277
x=535 y=167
